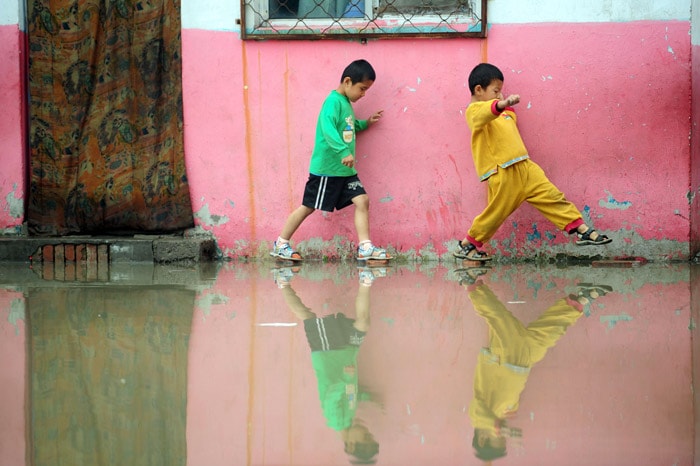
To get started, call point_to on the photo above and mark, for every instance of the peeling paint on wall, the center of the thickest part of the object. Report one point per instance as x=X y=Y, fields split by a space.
x=612 y=203
x=207 y=218
x=17 y=313
x=612 y=321
x=205 y=302
x=535 y=235
x=15 y=205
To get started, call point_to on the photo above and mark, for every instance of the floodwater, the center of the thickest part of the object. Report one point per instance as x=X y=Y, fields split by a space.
x=331 y=364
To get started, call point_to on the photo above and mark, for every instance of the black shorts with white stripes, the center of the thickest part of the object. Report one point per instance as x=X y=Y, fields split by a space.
x=332 y=332
x=330 y=193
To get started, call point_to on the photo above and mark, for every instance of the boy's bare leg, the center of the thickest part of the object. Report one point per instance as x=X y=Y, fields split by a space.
x=361 y=203
x=294 y=220
x=362 y=309
x=295 y=305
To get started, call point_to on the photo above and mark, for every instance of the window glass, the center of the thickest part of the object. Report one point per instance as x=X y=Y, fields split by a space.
x=295 y=19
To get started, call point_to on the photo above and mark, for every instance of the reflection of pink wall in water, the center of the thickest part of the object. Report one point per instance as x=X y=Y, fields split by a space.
x=624 y=372
x=599 y=381
x=13 y=378
x=609 y=380
x=695 y=348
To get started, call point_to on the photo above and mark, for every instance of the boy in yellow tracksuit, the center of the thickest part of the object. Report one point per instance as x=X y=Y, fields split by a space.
x=503 y=367
x=502 y=160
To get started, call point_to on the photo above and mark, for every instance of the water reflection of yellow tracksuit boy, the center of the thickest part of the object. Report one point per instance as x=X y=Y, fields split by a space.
x=504 y=365
x=335 y=341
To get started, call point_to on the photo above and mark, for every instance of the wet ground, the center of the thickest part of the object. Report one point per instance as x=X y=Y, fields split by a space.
x=331 y=364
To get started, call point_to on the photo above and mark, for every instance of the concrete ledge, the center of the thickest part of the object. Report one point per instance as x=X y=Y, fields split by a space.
x=141 y=248
x=171 y=250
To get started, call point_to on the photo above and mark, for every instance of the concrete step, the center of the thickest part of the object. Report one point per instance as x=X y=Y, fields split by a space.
x=159 y=249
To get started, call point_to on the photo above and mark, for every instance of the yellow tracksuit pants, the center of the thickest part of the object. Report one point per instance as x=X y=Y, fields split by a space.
x=504 y=366
x=522 y=182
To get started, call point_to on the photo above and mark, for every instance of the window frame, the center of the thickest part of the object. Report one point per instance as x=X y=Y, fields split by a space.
x=356 y=28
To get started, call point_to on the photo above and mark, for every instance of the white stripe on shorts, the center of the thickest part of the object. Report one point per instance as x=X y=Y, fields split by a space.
x=321 y=193
x=321 y=327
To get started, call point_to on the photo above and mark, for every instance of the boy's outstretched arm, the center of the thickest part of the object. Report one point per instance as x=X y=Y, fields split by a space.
x=296 y=305
x=509 y=102
x=349 y=160
x=376 y=116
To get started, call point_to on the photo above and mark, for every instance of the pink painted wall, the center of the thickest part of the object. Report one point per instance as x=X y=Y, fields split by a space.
x=595 y=115
x=12 y=129
x=695 y=156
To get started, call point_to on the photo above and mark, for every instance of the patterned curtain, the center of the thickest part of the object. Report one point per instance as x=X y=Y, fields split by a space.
x=106 y=144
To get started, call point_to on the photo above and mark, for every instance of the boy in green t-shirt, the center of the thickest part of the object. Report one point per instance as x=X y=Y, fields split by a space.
x=333 y=183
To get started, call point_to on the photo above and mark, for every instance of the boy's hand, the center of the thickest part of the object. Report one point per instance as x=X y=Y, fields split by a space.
x=348 y=161
x=511 y=100
x=375 y=117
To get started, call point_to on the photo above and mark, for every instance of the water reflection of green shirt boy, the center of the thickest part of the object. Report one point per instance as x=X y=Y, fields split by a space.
x=334 y=344
x=504 y=365
x=335 y=341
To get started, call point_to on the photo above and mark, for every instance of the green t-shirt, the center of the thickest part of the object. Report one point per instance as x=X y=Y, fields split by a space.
x=335 y=137
x=336 y=373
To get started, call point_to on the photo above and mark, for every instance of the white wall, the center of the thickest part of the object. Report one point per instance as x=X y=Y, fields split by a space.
x=574 y=11
x=221 y=15
x=695 y=22
x=10 y=11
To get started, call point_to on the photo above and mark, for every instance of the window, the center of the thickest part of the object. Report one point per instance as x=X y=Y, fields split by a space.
x=342 y=19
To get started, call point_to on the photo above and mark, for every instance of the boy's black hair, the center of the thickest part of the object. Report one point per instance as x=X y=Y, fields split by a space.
x=358 y=71
x=482 y=75
x=487 y=452
x=364 y=453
